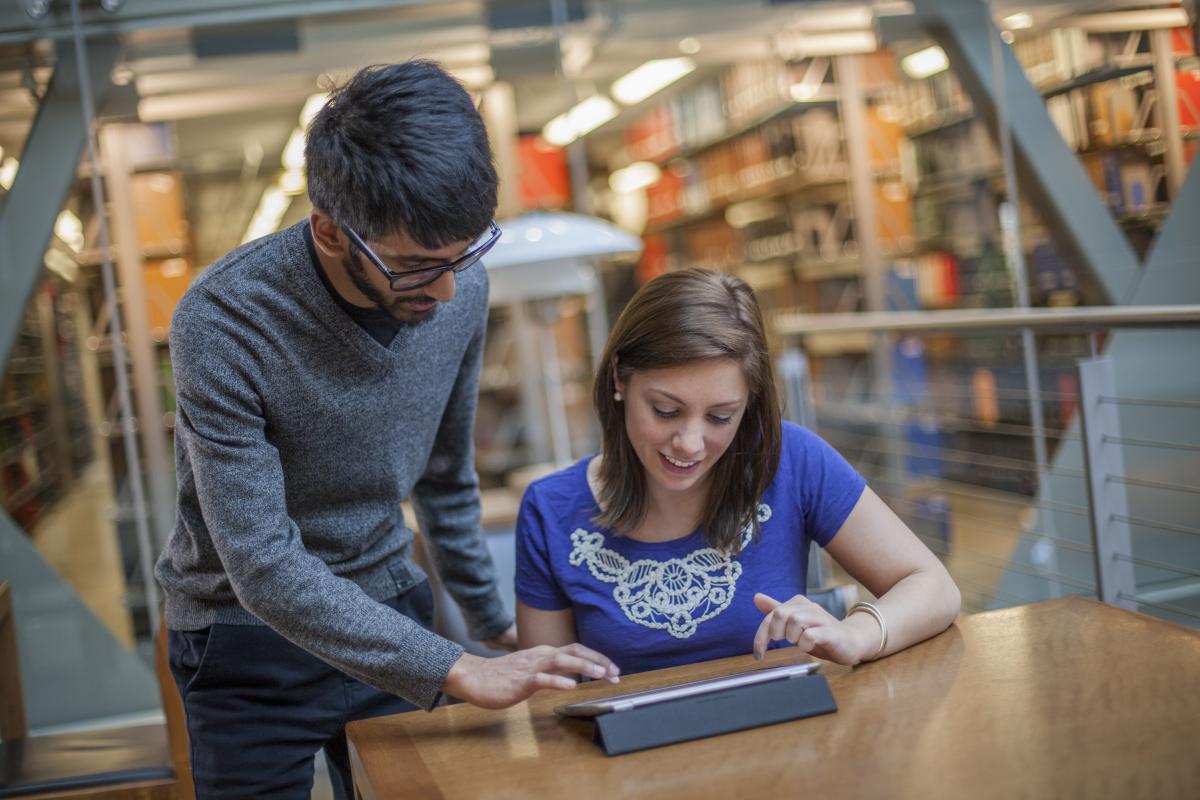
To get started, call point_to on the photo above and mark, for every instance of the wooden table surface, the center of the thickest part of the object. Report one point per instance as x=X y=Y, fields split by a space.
x=1064 y=698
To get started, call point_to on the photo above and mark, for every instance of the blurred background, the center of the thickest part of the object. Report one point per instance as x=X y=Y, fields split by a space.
x=973 y=226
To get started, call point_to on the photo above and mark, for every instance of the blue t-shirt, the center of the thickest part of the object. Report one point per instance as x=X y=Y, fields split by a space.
x=649 y=605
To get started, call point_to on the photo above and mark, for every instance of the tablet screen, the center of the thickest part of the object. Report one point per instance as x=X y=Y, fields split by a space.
x=623 y=702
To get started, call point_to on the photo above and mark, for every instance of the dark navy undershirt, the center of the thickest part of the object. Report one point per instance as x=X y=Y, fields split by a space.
x=382 y=326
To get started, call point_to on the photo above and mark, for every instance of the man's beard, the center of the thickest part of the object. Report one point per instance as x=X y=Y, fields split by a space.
x=399 y=308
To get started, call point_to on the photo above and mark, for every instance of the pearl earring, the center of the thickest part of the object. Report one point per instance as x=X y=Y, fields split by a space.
x=617 y=396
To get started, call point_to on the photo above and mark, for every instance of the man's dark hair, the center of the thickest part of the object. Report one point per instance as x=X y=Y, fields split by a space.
x=400 y=147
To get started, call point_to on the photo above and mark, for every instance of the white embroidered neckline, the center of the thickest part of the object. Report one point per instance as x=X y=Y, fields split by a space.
x=677 y=594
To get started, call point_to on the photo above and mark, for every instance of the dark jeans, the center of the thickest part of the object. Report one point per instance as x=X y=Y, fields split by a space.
x=259 y=707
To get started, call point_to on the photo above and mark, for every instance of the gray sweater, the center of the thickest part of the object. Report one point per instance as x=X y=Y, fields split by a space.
x=297 y=436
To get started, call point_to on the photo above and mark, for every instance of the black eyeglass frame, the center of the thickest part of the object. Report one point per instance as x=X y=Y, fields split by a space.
x=416 y=278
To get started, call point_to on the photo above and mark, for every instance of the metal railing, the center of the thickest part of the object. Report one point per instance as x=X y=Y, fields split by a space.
x=1112 y=507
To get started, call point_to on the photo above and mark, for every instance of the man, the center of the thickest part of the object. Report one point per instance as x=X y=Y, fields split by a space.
x=324 y=374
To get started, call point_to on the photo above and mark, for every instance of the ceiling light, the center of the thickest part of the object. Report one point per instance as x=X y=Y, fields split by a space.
x=803 y=92
x=1020 y=21
x=173 y=268
x=580 y=120
x=653 y=76
x=122 y=75
x=8 y=172
x=69 y=229
x=924 y=63
x=271 y=207
x=835 y=19
x=1123 y=21
x=311 y=106
x=841 y=43
x=62 y=264
x=741 y=215
x=637 y=175
x=292 y=181
x=689 y=45
x=473 y=76
x=293 y=151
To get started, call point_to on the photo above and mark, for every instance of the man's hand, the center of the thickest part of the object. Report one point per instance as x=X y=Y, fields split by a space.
x=505 y=641
x=507 y=680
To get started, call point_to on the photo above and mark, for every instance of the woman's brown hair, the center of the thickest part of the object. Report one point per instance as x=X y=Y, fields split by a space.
x=677 y=318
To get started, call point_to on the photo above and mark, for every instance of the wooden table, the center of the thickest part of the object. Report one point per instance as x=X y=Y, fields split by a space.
x=1064 y=698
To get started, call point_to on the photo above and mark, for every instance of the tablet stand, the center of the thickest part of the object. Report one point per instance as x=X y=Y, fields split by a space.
x=726 y=711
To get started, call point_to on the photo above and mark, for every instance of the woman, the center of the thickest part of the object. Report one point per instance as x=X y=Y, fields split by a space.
x=687 y=537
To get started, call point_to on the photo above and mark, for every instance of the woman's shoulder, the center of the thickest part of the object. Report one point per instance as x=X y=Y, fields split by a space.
x=561 y=489
x=798 y=439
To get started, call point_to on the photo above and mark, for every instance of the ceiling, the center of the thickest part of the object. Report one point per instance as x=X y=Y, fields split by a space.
x=232 y=77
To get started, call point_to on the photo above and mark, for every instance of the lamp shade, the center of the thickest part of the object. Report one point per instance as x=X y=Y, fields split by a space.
x=552 y=254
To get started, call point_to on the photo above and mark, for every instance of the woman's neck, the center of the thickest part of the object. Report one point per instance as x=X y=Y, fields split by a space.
x=669 y=515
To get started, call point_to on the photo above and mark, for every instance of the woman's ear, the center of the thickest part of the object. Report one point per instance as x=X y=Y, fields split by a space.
x=618 y=384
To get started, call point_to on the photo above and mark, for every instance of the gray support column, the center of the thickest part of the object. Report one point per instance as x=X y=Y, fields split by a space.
x=852 y=105
x=48 y=166
x=135 y=314
x=1102 y=459
x=529 y=369
x=1168 y=108
x=1050 y=170
x=1010 y=221
x=87 y=107
x=499 y=109
x=59 y=428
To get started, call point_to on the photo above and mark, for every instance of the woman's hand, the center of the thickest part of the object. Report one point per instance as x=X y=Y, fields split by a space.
x=814 y=630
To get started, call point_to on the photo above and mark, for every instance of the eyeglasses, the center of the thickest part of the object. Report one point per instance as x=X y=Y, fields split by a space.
x=416 y=278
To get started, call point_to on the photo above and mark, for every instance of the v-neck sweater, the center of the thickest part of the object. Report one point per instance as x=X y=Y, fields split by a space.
x=297 y=437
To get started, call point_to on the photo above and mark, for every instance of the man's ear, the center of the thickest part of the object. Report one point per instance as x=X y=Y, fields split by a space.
x=327 y=235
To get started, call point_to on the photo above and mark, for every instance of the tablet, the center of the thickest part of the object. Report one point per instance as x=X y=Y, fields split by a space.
x=624 y=702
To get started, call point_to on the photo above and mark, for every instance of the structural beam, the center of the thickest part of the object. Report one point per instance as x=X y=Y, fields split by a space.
x=1051 y=172
x=17 y=26
x=48 y=167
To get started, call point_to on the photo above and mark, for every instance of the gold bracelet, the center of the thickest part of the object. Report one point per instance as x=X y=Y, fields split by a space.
x=871 y=609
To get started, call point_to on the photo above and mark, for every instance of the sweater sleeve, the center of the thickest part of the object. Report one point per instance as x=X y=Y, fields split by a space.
x=222 y=435
x=446 y=502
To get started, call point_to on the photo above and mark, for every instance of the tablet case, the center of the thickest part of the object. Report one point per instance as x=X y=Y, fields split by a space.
x=712 y=714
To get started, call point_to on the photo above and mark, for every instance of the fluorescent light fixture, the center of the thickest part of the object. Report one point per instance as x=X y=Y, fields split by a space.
x=637 y=175
x=740 y=215
x=62 y=264
x=292 y=181
x=473 y=76
x=844 y=18
x=173 y=268
x=653 y=76
x=839 y=43
x=8 y=172
x=1123 y=21
x=293 y=151
x=924 y=63
x=1021 y=21
x=803 y=92
x=580 y=120
x=312 y=105
x=69 y=229
x=271 y=207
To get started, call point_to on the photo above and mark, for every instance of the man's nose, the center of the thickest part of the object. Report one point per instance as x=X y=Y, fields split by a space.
x=443 y=288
